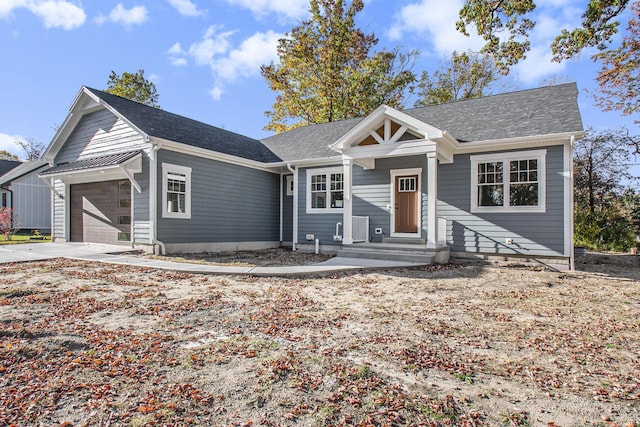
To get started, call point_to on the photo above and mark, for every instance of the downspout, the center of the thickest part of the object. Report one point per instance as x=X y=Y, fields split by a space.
x=153 y=199
x=281 y=208
x=572 y=255
x=294 y=170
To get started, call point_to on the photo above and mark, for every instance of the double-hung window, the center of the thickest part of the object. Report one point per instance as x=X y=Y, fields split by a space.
x=325 y=190
x=508 y=182
x=176 y=191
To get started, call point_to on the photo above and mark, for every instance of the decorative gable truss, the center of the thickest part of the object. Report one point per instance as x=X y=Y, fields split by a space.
x=387 y=132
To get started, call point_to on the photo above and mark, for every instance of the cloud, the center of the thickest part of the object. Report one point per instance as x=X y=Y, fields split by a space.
x=290 y=9
x=213 y=43
x=7 y=143
x=177 y=55
x=186 y=8
x=54 y=13
x=437 y=20
x=128 y=17
x=538 y=65
x=228 y=64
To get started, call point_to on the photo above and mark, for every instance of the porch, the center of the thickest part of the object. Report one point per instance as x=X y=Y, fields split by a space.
x=396 y=248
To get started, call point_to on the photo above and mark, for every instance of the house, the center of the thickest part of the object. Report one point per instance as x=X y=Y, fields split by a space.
x=29 y=197
x=6 y=166
x=483 y=177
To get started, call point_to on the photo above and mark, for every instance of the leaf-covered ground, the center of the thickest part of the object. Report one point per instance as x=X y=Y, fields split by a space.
x=86 y=344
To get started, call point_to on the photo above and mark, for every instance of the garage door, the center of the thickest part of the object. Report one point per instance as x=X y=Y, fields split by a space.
x=101 y=212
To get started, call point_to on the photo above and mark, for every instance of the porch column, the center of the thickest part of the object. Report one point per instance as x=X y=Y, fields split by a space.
x=347 y=220
x=432 y=200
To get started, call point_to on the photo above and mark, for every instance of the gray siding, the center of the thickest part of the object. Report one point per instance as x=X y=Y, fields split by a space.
x=371 y=195
x=99 y=133
x=321 y=225
x=540 y=234
x=287 y=212
x=32 y=202
x=372 y=192
x=229 y=203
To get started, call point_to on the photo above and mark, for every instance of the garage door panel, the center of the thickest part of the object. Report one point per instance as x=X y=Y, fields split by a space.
x=101 y=212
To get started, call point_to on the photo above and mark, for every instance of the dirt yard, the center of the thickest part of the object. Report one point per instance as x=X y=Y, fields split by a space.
x=460 y=345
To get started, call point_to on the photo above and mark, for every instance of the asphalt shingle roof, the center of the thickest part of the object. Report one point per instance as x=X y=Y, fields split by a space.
x=7 y=165
x=21 y=170
x=92 y=163
x=163 y=124
x=542 y=111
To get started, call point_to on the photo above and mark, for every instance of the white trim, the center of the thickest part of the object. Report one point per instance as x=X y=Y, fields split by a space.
x=539 y=155
x=568 y=203
x=281 y=205
x=518 y=143
x=215 y=155
x=327 y=172
x=405 y=172
x=182 y=170
x=347 y=216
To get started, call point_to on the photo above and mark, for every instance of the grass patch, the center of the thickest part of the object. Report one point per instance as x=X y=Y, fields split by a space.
x=18 y=239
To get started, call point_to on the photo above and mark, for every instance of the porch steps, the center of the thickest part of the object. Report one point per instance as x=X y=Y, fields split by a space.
x=404 y=240
x=408 y=252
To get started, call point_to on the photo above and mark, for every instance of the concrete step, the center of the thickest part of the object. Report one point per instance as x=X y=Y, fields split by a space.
x=404 y=247
x=424 y=257
x=404 y=240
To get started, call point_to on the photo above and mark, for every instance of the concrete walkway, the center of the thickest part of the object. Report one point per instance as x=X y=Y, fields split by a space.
x=118 y=255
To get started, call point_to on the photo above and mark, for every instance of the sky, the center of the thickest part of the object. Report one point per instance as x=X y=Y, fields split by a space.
x=204 y=56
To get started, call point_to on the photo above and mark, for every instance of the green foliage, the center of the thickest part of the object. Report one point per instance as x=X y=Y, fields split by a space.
x=133 y=86
x=619 y=77
x=492 y=19
x=606 y=230
x=461 y=76
x=5 y=155
x=505 y=26
x=606 y=212
x=598 y=27
x=327 y=72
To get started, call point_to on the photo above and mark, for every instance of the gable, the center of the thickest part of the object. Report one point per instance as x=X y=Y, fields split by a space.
x=394 y=127
x=98 y=133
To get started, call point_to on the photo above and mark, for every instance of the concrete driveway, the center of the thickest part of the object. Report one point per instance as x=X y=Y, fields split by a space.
x=42 y=251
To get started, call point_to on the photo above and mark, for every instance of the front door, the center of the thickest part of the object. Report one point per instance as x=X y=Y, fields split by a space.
x=406 y=215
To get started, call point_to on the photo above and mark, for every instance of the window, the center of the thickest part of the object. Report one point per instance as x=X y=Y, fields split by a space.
x=176 y=191
x=325 y=190
x=407 y=185
x=4 y=200
x=508 y=182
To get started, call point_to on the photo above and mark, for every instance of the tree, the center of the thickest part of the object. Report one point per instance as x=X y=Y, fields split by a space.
x=461 y=76
x=5 y=155
x=134 y=87
x=327 y=72
x=32 y=148
x=505 y=27
x=603 y=220
x=619 y=77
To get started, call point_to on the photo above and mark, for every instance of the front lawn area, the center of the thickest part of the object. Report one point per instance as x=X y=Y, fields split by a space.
x=25 y=238
x=95 y=344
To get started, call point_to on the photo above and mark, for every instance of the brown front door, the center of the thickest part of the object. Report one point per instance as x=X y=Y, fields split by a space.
x=101 y=212
x=406 y=204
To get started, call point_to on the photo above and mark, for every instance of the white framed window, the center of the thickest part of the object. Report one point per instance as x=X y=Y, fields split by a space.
x=325 y=190
x=176 y=191
x=508 y=182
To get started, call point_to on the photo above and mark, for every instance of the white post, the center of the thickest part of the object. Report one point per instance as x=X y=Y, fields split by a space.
x=347 y=221
x=432 y=200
